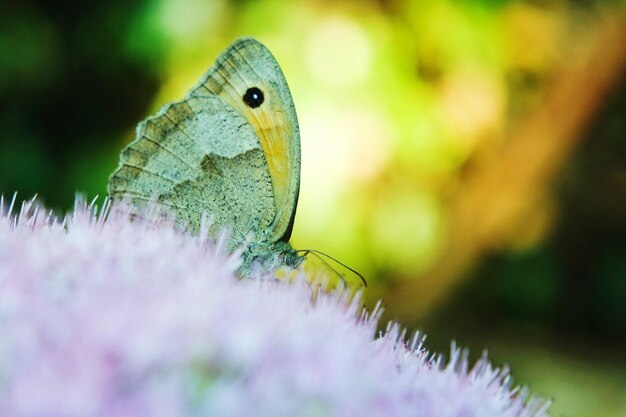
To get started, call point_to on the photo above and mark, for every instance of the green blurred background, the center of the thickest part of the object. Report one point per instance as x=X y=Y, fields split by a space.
x=468 y=157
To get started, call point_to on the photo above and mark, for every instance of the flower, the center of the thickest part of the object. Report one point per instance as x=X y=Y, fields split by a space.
x=103 y=316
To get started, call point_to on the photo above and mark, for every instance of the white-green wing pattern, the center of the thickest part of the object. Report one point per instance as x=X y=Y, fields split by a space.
x=199 y=156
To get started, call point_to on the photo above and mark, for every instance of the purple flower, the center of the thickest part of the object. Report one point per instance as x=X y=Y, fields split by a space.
x=102 y=316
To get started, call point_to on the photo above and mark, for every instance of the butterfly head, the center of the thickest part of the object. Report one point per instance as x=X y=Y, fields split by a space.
x=265 y=255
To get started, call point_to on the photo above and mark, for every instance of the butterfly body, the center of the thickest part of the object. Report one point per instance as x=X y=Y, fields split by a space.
x=231 y=150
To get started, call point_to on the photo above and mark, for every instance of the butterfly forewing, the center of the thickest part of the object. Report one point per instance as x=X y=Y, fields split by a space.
x=246 y=65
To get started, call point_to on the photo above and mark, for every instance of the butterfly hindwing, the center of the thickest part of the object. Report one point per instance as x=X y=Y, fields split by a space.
x=199 y=156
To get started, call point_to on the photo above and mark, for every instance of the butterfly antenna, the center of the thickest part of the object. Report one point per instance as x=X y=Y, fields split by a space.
x=319 y=254
x=341 y=277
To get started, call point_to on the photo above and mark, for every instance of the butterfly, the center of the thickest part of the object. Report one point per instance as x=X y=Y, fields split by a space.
x=231 y=149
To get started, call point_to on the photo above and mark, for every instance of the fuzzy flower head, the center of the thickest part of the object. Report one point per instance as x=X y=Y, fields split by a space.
x=103 y=316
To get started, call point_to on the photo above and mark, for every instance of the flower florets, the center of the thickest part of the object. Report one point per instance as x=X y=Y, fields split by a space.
x=103 y=316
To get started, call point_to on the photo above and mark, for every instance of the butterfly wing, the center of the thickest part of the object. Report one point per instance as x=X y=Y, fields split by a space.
x=243 y=67
x=195 y=156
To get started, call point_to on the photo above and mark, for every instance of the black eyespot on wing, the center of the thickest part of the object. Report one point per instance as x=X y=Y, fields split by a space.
x=254 y=97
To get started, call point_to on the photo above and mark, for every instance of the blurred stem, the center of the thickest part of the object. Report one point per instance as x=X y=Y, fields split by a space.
x=492 y=200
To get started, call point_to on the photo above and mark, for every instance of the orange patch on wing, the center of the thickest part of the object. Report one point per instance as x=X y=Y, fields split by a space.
x=274 y=132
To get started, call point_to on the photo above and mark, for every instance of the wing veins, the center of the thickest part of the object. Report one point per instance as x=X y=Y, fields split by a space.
x=234 y=98
x=165 y=148
x=147 y=171
x=182 y=130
